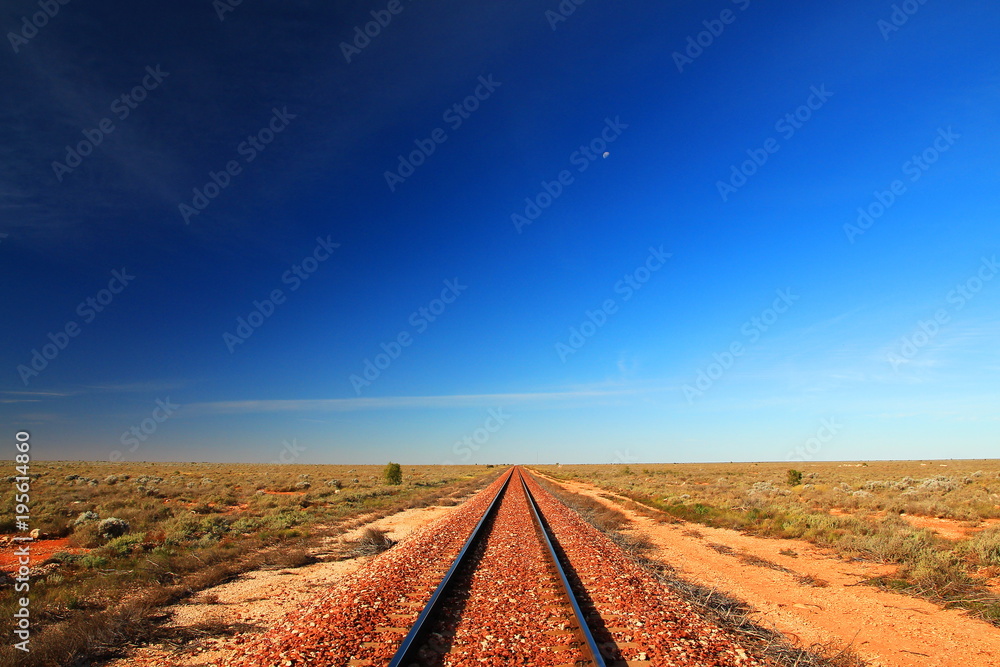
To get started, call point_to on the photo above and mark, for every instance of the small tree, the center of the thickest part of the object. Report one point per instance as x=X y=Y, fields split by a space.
x=393 y=474
x=112 y=527
x=794 y=477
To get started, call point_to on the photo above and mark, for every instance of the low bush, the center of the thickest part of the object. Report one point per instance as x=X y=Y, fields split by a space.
x=372 y=541
x=393 y=474
x=124 y=545
x=112 y=527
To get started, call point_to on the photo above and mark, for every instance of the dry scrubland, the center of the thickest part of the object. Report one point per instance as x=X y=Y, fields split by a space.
x=185 y=527
x=129 y=537
x=871 y=511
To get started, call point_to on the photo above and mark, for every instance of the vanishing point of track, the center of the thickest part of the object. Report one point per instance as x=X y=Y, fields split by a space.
x=578 y=645
x=512 y=576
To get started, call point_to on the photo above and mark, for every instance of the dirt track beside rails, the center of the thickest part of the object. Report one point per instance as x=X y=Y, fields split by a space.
x=886 y=629
x=364 y=620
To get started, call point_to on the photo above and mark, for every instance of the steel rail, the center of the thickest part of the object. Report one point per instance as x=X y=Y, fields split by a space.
x=406 y=654
x=588 y=643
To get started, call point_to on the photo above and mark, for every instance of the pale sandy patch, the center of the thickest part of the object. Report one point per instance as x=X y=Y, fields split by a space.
x=261 y=599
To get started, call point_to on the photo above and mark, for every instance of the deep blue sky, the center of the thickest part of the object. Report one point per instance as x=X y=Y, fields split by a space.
x=847 y=364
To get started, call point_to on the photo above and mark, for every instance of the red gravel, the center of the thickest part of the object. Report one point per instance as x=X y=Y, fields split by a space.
x=647 y=620
x=509 y=613
x=506 y=609
x=363 y=619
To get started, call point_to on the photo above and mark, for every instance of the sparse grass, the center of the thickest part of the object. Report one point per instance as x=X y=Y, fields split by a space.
x=191 y=526
x=757 y=561
x=809 y=580
x=984 y=548
x=858 y=509
x=372 y=541
x=175 y=637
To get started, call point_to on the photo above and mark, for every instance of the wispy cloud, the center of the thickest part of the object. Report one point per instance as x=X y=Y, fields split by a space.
x=119 y=388
x=830 y=322
x=135 y=387
x=38 y=417
x=406 y=402
x=30 y=396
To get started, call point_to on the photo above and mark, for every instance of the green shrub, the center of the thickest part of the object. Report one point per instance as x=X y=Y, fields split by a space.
x=92 y=562
x=85 y=535
x=393 y=474
x=125 y=545
x=247 y=524
x=112 y=527
x=214 y=526
x=984 y=546
x=794 y=477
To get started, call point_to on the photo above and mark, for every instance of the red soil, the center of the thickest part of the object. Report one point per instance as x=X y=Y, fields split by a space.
x=40 y=551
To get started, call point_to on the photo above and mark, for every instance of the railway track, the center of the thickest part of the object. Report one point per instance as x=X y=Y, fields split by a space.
x=563 y=628
x=511 y=577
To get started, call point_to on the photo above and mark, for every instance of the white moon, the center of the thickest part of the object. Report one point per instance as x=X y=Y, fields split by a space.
x=606 y=154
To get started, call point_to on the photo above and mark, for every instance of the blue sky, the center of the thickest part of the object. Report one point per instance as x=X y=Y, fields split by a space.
x=600 y=326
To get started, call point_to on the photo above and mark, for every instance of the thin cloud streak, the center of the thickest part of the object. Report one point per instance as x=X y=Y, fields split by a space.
x=400 y=402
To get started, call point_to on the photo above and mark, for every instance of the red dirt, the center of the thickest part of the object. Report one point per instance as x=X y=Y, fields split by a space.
x=949 y=529
x=233 y=509
x=40 y=551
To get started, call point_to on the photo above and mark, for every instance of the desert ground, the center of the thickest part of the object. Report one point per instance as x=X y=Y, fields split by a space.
x=885 y=563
